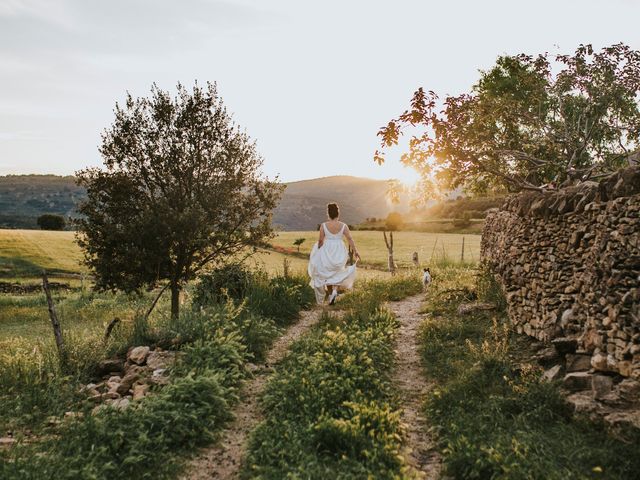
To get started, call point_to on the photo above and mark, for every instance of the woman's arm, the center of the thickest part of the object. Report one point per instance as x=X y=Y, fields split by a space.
x=321 y=238
x=347 y=234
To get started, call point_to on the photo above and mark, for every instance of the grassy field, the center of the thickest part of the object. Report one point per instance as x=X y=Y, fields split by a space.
x=27 y=252
x=373 y=251
x=23 y=255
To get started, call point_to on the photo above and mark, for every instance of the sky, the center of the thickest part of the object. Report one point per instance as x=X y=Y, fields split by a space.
x=311 y=82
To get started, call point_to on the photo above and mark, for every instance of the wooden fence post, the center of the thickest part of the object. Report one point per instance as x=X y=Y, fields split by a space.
x=435 y=244
x=389 y=244
x=57 y=332
x=462 y=253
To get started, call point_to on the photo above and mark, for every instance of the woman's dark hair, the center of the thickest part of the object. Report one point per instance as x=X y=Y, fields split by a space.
x=333 y=210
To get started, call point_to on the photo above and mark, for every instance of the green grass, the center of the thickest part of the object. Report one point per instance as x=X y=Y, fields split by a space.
x=330 y=408
x=373 y=250
x=149 y=439
x=494 y=415
x=27 y=252
x=145 y=439
x=27 y=316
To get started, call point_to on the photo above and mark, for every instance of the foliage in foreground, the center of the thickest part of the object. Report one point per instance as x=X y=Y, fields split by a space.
x=331 y=412
x=148 y=438
x=144 y=438
x=497 y=419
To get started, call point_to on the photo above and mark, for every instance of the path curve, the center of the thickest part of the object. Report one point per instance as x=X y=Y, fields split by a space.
x=409 y=377
x=224 y=459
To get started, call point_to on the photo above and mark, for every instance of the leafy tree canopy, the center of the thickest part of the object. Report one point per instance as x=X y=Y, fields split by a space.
x=50 y=221
x=529 y=122
x=394 y=221
x=181 y=188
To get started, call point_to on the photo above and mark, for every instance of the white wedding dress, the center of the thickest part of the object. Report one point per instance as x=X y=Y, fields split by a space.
x=328 y=264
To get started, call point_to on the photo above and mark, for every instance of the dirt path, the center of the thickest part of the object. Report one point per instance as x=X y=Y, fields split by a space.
x=223 y=460
x=409 y=377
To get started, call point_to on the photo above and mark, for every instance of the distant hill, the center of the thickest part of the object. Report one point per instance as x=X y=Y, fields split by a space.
x=304 y=203
x=25 y=197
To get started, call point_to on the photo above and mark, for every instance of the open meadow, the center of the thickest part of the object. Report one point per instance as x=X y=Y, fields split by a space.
x=25 y=253
x=431 y=247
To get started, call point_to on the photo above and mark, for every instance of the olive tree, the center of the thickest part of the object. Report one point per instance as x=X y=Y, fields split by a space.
x=529 y=122
x=181 y=188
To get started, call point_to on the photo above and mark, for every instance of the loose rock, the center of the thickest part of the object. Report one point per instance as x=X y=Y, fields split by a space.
x=138 y=355
x=577 y=381
x=578 y=362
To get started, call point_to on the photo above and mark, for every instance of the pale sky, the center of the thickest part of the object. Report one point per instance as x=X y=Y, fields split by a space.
x=312 y=82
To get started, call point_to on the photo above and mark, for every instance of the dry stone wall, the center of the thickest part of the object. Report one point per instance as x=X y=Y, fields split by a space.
x=569 y=262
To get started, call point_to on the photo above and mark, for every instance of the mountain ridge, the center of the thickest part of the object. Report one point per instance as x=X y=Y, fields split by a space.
x=303 y=205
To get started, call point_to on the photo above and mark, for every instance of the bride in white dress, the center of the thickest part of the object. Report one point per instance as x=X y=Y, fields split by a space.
x=328 y=260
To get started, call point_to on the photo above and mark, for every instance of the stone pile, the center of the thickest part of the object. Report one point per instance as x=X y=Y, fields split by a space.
x=569 y=264
x=130 y=380
x=612 y=397
x=14 y=288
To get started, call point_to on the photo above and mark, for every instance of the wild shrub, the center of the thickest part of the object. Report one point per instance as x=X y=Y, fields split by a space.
x=368 y=433
x=31 y=385
x=255 y=331
x=489 y=288
x=228 y=281
x=135 y=442
x=220 y=352
x=279 y=298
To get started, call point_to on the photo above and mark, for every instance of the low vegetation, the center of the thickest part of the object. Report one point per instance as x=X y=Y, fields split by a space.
x=216 y=337
x=331 y=411
x=495 y=416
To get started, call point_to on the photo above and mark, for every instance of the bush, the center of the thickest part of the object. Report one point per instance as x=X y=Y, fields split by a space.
x=489 y=288
x=279 y=298
x=143 y=440
x=394 y=221
x=215 y=286
x=51 y=222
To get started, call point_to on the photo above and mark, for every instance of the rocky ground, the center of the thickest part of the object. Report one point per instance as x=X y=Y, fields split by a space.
x=590 y=390
x=126 y=381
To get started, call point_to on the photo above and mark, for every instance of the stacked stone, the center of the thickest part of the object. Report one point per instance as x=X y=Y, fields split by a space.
x=569 y=262
x=130 y=380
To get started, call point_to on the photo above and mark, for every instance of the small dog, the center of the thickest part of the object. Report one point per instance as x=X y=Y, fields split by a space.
x=426 y=278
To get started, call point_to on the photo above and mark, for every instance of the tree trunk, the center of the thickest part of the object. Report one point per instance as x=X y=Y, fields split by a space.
x=175 y=300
